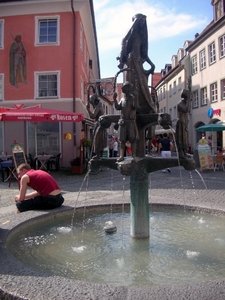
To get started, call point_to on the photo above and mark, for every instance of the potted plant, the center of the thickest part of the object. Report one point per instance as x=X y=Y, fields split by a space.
x=76 y=167
x=87 y=143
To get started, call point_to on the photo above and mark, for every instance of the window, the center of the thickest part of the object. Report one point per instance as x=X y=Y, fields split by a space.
x=204 y=96
x=159 y=94
x=170 y=113
x=47 y=30
x=81 y=37
x=1 y=34
x=164 y=92
x=222 y=46
x=170 y=90
x=47 y=85
x=48 y=138
x=222 y=83
x=81 y=89
x=213 y=92
x=179 y=83
x=212 y=53
x=218 y=9
x=195 y=99
x=202 y=59
x=174 y=87
x=1 y=87
x=174 y=112
x=194 y=68
x=85 y=53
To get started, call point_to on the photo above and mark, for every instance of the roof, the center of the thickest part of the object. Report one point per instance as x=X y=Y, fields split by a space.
x=156 y=78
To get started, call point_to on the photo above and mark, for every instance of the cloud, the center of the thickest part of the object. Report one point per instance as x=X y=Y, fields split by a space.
x=113 y=20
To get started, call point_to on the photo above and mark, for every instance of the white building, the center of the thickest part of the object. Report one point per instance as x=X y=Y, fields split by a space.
x=200 y=64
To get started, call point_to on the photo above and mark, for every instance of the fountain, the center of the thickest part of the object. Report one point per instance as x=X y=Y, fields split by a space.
x=138 y=168
x=138 y=112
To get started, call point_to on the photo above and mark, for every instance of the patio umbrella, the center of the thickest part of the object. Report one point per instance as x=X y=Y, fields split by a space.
x=211 y=127
x=38 y=114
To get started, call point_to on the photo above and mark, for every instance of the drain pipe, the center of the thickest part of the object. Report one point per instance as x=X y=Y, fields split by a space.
x=73 y=75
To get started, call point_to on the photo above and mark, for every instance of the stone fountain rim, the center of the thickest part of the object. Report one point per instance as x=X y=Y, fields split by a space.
x=17 y=279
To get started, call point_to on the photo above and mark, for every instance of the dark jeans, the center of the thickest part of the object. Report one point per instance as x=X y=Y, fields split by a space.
x=39 y=202
x=110 y=152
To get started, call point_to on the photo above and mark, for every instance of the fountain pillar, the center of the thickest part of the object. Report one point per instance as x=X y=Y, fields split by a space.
x=139 y=209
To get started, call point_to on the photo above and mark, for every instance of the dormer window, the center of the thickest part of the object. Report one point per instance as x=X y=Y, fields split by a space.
x=218 y=9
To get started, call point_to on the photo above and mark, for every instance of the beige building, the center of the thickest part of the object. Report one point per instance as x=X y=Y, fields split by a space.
x=200 y=66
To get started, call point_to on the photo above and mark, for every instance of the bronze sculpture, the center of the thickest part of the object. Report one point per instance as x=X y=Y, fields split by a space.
x=99 y=133
x=138 y=112
x=127 y=123
x=183 y=108
x=134 y=53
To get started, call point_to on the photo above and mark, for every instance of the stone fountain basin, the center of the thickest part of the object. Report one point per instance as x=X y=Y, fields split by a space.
x=19 y=281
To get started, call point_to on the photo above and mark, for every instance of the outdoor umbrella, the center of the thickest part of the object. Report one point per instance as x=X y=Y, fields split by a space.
x=37 y=114
x=211 y=127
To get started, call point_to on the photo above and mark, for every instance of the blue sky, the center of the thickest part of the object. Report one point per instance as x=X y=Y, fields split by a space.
x=170 y=23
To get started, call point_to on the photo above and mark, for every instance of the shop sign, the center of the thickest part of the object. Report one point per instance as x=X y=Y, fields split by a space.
x=212 y=112
x=205 y=155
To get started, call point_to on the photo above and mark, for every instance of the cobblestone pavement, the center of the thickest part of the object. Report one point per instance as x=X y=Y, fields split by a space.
x=206 y=188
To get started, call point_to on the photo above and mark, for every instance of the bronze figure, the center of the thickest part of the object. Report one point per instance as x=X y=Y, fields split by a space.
x=183 y=108
x=134 y=53
x=99 y=133
x=127 y=123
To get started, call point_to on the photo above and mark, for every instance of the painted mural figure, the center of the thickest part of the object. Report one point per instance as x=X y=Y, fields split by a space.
x=128 y=130
x=17 y=62
x=183 y=108
x=134 y=53
x=99 y=133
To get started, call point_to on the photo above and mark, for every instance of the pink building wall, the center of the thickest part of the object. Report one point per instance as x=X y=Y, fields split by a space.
x=43 y=58
x=47 y=58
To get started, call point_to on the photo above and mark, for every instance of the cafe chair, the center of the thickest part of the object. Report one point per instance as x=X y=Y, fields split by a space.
x=218 y=163
x=53 y=162
x=31 y=161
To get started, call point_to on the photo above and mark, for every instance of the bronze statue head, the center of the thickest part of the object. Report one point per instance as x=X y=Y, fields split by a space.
x=94 y=100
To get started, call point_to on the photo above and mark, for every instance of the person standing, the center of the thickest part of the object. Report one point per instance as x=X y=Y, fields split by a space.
x=115 y=147
x=46 y=194
x=110 y=145
x=210 y=142
x=128 y=149
x=154 y=145
x=166 y=147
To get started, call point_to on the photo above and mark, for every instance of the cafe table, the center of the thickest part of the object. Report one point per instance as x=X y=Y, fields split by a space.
x=4 y=157
x=9 y=167
x=41 y=161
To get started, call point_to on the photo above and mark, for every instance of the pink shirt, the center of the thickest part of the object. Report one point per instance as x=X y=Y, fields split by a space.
x=42 y=182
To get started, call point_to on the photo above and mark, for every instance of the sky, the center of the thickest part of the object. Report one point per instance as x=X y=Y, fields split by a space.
x=170 y=23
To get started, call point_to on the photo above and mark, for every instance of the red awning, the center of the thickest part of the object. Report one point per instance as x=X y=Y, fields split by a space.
x=37 y=114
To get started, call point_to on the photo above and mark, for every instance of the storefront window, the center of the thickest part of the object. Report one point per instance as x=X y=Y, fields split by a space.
x=48 y=138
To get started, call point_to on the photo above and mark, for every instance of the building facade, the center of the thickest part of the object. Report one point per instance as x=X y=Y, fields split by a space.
x=200 y=67
x=49 y=55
